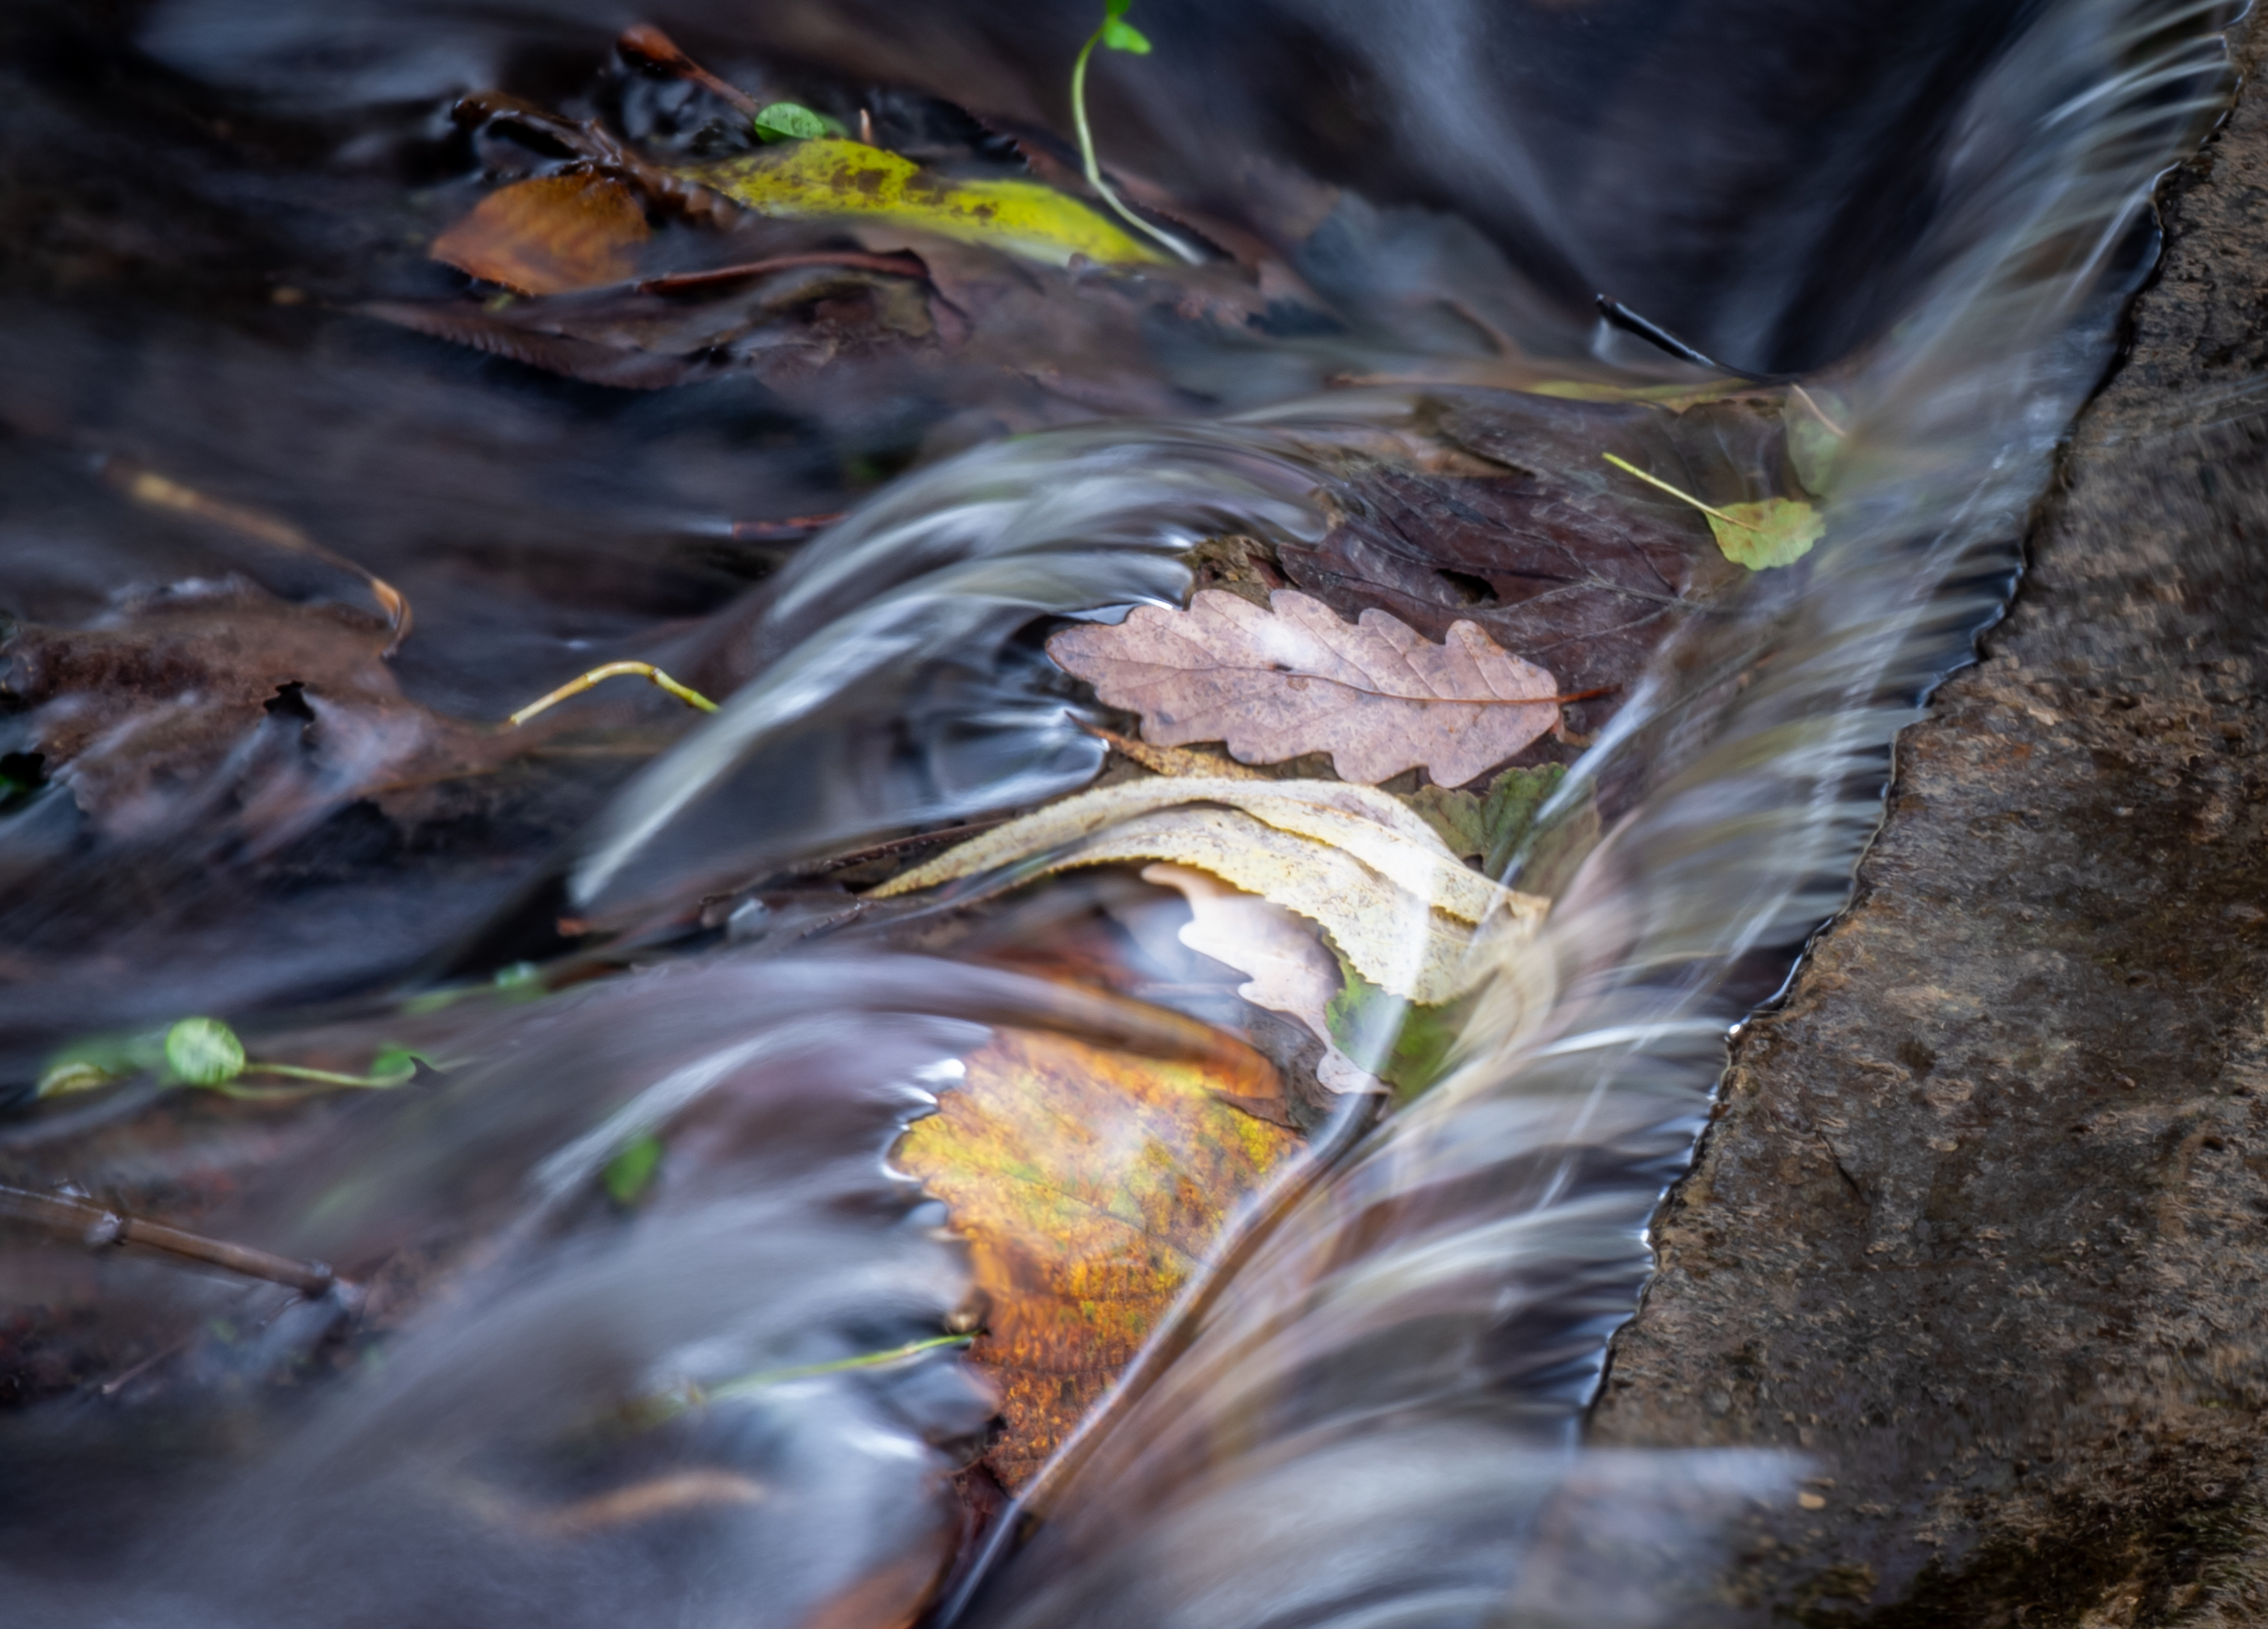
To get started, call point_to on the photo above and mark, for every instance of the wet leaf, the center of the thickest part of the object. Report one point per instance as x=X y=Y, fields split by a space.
x=631 y=1172
x=1289 y=971
x=551 y=235
x=1273 y=684
x=1089 y=1184
x=203 y=1051
x=830 y=177
x=790 y=121
x=1412 y=1040
x=1779 y=531
x=1489 y=828
x=1350 y=859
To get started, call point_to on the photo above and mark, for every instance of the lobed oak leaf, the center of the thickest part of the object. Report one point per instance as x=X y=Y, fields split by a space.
x=1089 y=1184
x=1376 y=695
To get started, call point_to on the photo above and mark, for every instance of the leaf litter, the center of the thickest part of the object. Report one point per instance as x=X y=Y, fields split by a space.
x=1090 y=1184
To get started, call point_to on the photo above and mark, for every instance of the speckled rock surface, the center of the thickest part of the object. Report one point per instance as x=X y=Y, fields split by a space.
x=1982 y=1223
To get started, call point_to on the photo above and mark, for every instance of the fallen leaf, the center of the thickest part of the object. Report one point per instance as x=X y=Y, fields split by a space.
x=1089 y=1184
x=833 y=177
x=551 y=235
x=1288 y=969
x=1273 y=684
x=1779 y=531
x=1409 y=1041
x=1350 y=859
x=1488 y=827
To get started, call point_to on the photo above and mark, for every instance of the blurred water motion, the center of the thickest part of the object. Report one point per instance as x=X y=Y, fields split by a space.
x=545 y=1403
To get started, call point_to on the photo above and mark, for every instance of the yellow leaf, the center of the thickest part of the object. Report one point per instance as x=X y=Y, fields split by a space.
x=828 y=176
x=1089 y=1184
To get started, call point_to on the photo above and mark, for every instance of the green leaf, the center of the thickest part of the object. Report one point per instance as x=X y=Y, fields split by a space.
x=397 y=1063
x=1779 y=531
x=1489 y=826
x=1365 y=1020
x=1119 y=36
x=790 y=121
x=203 y=1051
x=631 y=1172
x=1113 y=10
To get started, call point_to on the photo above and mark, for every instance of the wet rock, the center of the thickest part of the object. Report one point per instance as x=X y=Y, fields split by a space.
x=1982 y=1223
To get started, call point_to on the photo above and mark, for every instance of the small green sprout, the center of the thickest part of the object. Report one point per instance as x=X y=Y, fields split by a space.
x=792 y=122
x=204 y=1051
x=1116 y=34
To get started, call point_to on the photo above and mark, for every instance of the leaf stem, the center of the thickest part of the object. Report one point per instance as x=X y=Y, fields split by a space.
x=1819 y=413
x=611 y=670
x=1095 y=164
x=1682 y=497
x=299 y=1072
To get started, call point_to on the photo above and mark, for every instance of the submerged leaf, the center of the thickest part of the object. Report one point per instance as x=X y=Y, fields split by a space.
x=549 y=236
x=1779 y=531
x=828 y=176
x=1376 y=695
x=1089 y=1184
x=1288 y=969
x=1411 y=1041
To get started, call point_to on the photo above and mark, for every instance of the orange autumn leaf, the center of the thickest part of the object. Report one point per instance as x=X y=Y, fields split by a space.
x=1089 y=1184
x=549 y=236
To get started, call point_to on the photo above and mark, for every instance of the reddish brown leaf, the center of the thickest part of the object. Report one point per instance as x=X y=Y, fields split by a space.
x=551 y=235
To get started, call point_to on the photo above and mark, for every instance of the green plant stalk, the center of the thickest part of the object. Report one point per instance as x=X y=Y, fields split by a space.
x=612 y=670
x=1682 y=496
x=1095 y=164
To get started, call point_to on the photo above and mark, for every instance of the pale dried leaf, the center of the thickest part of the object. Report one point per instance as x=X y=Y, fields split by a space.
x=1349 y=858
x=1376 y=695
x=1287 y=968
x=1374 y=827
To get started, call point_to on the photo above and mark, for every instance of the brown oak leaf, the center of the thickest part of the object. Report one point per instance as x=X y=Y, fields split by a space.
x=1376 y=695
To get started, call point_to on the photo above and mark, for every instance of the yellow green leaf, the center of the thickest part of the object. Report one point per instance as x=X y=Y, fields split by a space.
x=811 y=180
x=1779 y=531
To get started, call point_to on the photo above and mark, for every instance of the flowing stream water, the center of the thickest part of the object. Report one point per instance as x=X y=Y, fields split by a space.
x=1932 y=215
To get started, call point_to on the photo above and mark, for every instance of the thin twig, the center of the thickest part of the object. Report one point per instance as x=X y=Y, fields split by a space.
x=880 y=851
x=648 y=44
x=611 y=670
x=889 y=265
x=64 y=1216
x=147 y=486
x=1819 y=413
